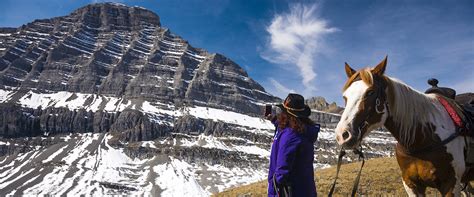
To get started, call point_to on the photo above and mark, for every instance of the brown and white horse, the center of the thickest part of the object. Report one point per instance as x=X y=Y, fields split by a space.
x=416 y=120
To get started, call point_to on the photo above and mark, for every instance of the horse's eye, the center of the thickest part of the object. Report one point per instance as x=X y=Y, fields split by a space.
x=370 y=92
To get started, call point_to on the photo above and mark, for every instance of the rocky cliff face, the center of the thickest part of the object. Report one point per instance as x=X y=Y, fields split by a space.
x=114 y=55
x=119 y=51
x=319 y=103
x=107 y=101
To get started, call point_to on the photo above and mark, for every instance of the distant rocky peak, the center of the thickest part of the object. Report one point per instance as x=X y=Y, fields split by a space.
x=319 y=103
x=114 y=16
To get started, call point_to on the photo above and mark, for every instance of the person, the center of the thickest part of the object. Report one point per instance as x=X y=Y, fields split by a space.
x=291 y=170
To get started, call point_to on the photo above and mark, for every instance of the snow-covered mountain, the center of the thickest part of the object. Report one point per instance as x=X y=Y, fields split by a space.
x=107 y=101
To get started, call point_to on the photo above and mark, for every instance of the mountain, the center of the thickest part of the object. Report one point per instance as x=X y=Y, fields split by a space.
x=113 y=58
x=319 y=103
x=106 y=101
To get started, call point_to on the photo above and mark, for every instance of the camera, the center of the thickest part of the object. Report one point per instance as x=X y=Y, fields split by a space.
x=268 y=110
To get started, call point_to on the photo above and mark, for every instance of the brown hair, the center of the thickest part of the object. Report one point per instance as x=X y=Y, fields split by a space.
x=297 y=124
x=365 y=75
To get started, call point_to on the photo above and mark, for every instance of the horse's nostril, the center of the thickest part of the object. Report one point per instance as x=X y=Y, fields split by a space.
x=345 y=135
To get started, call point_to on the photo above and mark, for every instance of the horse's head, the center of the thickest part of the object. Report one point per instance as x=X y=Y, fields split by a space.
x=365 y=94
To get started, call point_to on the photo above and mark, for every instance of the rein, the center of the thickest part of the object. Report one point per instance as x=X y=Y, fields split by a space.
x=378 y=103
x=355 y=187
x=380 y=93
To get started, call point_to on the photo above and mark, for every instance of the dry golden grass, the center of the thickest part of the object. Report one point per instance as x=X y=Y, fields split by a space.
x=380 y=177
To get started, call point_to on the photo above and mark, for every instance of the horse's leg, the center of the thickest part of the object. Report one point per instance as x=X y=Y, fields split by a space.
x=450 y=191
x=454 y=188
x=411 y=192
x=409 y=170
x=413 y=189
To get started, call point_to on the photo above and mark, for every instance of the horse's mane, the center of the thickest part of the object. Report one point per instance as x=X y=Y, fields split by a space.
x=409 y=107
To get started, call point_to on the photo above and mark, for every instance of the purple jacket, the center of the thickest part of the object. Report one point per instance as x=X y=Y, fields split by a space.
x=291 y=161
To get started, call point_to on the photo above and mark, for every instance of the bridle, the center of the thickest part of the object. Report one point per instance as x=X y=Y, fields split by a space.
x=379 y=93
x=381 y=100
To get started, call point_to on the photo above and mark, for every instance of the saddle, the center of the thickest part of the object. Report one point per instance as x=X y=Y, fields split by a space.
x=447 y=92
x=461 y=110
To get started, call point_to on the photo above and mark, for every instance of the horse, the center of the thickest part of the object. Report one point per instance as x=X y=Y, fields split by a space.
x=417 y=121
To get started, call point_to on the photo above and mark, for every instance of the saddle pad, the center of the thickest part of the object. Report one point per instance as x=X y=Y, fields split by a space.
x=460 y=118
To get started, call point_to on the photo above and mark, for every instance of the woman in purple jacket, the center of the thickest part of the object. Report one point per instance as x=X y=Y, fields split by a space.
x=292 y=155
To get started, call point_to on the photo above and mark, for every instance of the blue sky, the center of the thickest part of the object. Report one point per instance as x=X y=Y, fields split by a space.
x=301 y=46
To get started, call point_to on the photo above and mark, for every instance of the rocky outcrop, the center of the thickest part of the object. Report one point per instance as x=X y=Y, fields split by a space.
x=327 y=120
x=17 y=121
x=6 y=38
x=320 y=104
x=128 y=125
x=119 y=51
x=222 y=75
x=194 y=126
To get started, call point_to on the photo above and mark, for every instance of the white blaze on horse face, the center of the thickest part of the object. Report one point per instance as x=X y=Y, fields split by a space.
x=354 y=95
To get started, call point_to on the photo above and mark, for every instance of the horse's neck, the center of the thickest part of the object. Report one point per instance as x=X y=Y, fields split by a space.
x=419 y=137
x=410 y=122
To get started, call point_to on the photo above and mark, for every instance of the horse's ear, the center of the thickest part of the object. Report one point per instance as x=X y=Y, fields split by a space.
x=380 y=68
x=349 y=70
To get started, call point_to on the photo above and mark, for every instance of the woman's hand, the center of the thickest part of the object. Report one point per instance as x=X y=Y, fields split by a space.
x=270 y=117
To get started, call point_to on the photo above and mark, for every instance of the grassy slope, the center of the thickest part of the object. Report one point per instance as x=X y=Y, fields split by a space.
x=379 y=177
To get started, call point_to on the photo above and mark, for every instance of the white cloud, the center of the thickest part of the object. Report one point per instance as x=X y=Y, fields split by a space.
x=295 y=39
x=280 y=88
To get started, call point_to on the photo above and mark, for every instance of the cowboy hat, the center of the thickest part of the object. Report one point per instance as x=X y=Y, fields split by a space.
x=294 y=105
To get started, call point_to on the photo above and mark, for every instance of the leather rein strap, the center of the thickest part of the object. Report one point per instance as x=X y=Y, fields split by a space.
x=380 y=93
x=355 y=187
x=339 y=162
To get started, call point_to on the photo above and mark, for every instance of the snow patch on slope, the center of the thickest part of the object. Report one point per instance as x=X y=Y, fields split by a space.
x=211 y=142
x=177 y=179
x=230 y=117
x=85 y=164
x=93 y=102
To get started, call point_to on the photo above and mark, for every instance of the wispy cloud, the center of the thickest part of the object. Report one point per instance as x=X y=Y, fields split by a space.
x=280 y=88
x=295 y=39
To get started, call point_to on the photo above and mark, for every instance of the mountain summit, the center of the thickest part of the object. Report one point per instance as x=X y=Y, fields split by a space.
x=108 y=54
